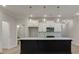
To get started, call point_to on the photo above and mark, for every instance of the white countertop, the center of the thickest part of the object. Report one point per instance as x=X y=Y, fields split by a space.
x=58 y=38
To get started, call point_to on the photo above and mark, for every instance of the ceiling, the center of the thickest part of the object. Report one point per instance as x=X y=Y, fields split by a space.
x=41 y=10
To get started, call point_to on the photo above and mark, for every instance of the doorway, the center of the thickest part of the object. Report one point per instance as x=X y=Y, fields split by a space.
x=33 y=31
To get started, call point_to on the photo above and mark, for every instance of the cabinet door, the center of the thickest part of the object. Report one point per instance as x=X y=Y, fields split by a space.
x=29 y=46
x=57 y=27
x=44 y=27
x=42 y=34
x=40 y=27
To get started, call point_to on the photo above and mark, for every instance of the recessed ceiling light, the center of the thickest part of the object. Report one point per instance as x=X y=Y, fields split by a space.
x=44 y=6
x=58 y=6
x=77 y=13
x=30 y=6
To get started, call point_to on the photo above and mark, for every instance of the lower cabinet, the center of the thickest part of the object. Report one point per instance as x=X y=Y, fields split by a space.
x=45 y=46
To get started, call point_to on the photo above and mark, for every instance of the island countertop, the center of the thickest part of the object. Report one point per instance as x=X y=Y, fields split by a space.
x=37 y=38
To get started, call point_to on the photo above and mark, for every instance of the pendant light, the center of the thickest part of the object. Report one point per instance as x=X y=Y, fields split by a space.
x=59 y=15
x=44 y=16
x=30 y=15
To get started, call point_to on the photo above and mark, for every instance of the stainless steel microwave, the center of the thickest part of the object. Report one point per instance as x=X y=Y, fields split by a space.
x=50 y=29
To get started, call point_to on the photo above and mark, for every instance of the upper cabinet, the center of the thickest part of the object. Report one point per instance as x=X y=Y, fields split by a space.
x=40 y=27
x=33 y=23
x=57 y=27
x=50 y=23
x=44 y=25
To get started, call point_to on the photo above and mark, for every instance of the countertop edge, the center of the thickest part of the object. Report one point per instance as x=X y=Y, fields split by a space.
x=45 y=39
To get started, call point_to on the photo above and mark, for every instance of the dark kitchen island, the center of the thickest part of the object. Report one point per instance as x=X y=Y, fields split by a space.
x=45 y=45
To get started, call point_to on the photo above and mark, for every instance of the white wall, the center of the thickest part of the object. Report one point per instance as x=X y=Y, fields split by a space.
x=0 y=31
x=75 y=31
x=5 y=34
x=9 y=39
x=12 y=32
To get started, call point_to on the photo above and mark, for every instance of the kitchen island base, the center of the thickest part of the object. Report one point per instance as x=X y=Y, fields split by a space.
x=45 y=46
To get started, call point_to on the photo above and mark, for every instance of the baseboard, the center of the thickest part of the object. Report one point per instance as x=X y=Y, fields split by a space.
x=9 y=48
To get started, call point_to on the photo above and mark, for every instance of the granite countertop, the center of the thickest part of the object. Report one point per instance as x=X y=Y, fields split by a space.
x=37 y=38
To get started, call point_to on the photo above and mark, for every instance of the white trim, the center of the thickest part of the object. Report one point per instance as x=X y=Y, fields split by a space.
x=58 y=38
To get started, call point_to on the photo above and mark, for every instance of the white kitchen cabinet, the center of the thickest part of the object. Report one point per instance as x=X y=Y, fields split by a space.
x=33 y=23
x=42 y=34
x=50 y=23
x=42 y=27
x=57 y=27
